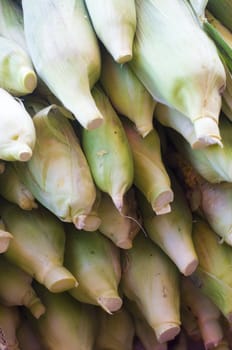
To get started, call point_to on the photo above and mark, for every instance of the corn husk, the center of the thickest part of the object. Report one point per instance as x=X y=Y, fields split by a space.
x=216 y=201
x=121 y=229
x=58 y=175
x=213 y=275
x=115 y=331
x=17 y=131
x=151 y=280
x=69 y=62
x=189 y=323
x=108 y=152
x=143 y=331
x=223 y=39
x=12 y=189
x=27 y=337
x=127 y=94
x=150 y=175
x=16 y=289
x=9 y=321
x=37 y=246
x=114 y=22
x=174 y=119
x=17 y=75
x=94 y=261
x=222 y=10
x=65 y=323
x=191 y=78
x=206 y=313
x=213 y=162
x=199 y=7
x=172 y=231
x=11 y=22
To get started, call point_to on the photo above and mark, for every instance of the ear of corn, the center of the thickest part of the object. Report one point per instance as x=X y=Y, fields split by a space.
x=150 y=175
x=120 y=228
x=16 y=289
x=58 y=174
x=69 y=62
x=213 y=275
x=143 y=330
x=174 y=119
x=205 y=312
x=127 y=94
x=37 y=246
x=12 y=189
x=115 y=331
x=9 y=321
x=108 y=152
x=17 y=75
x=188 y=80
x=66 y=322
x=151 y=280
x=172 y=231
x=212 y=163
x=94 y=261
x=114 y=22
x=216 y=201
x=17 y=131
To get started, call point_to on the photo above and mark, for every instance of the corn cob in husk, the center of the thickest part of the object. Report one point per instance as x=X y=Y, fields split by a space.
x=114 y=22
x=9 y=323
x=17 y=131
x=119 y=228
x=127 y=94
x=58 y=175
x=66 y=323
x=37 y=246
x=17 y=75
x=114 y=331
x=13 y=190
x=172 y=231
x=213 y=274
x=150 y=175
x=191 y=78
x=69 y=62
x=212 y=163
x=108 y=152
x=151 y=280
x=143 y=330
x=206 y=313
x=95 y=262
x=16 y=289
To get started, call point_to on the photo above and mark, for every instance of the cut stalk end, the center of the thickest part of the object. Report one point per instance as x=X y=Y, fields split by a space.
x=5 y=238
x=87 y=222
x=110 y=304
x=29 y=79
x=59 y=279
x=166 y=332
x=34 y=304
x=211 y=333
x=125 y=244
x=189 y=267
x=207 y=132
x=161 y=204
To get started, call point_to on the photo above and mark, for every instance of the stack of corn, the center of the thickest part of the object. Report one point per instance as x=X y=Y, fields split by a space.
x=116 y=181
